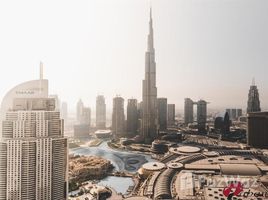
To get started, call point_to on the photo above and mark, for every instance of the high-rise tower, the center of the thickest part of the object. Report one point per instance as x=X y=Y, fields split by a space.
x=34 y=152
x=132 y=116
x=201 y=115
x=100 y=112
x=257 y=136
x=162 y=113
x=149 y=92
x=118 y=117
x=188 y=111
x=79 y=110
x=253 y=99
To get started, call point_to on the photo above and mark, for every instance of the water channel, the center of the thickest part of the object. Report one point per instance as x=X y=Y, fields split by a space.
x=122 y=161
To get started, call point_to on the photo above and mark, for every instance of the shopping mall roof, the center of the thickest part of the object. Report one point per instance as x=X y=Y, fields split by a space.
x=240 y=169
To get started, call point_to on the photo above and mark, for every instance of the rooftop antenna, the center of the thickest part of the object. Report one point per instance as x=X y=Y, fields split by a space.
x=150 y=9
x=41 y=77
x=41 y=70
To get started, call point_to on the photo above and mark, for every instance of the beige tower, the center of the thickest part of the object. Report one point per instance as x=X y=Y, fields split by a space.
x=33 y=150
x=149 y=92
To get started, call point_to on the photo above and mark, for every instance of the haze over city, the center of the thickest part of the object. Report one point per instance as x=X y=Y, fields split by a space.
x=209 y=50
x=133 y=100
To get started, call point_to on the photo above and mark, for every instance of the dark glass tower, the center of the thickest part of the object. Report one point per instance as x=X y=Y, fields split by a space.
x=162 y=113
x=253 y=99
x=132 y=116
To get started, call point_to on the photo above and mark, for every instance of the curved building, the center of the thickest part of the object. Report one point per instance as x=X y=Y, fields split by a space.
x=33 y=148
x=151 y=167
x=30 y=89
x=198 y=173
x=159 y=147
x=162 y=186
x=103 y=134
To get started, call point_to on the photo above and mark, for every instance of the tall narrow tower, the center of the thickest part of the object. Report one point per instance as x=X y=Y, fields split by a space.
x=188 y=111
x=100 y=112
x=253 y=99
x=149 y=93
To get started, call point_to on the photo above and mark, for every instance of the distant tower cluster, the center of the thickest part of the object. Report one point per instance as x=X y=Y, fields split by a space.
x=118 y=117
x=201 y=113
x=234 y=113
x=222 y=124
x=132 y=116
x=149 y=94
x=100 y=112
x=34 y=152
x=253 y=99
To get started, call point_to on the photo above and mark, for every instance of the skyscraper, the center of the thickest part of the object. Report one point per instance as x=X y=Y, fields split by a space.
x=118 y=117
x=188 y=111
x=253 y=99
x=100 y=112
x=83 y=114
x=34 y=152
x=140 y=106
x=226 y=124
x=149 y=91
x=81 y=129
x=171 y=114
x=86 y=116
x=162 y=113
x=201 y=115
x=79 y=110
x=132 y=116
x=257 y=129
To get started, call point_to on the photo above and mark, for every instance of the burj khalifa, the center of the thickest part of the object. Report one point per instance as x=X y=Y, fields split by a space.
x=149 y=92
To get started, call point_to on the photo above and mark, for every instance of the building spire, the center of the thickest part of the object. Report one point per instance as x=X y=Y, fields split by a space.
x=41 y=70
x=253 y=81
x=150 y=12
x=151 y=33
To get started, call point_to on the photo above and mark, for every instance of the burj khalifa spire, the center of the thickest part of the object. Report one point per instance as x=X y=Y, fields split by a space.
x=149 y=92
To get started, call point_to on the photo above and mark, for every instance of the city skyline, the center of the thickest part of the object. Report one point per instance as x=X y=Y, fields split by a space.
x=147 y=99
x=223 y=73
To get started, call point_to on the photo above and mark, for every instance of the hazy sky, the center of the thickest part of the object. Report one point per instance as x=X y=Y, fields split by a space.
x=208 y=49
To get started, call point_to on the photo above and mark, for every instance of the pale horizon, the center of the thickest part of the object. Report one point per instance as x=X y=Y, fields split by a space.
x=98 y=47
